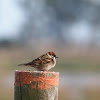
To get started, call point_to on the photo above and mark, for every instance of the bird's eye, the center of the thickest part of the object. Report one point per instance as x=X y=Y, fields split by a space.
x=52 y=56
x=55 y=56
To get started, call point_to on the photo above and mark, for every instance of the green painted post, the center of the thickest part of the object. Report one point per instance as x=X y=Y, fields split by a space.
x=36 y=85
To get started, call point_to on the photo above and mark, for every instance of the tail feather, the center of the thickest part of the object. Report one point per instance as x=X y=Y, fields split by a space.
x=23 y=64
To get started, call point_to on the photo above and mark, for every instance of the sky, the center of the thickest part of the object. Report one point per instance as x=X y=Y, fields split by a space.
x=80 y=31
x=10 y=18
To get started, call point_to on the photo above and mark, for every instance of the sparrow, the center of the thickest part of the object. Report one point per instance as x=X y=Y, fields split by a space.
x=43 y=63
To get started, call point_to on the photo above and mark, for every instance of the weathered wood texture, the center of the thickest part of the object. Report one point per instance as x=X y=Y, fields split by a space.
x=36 y=85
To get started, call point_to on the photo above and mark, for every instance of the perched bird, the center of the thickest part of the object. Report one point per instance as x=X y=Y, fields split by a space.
x=43 y=63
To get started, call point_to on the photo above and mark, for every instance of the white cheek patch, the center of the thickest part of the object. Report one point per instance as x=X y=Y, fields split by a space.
x=54 y=58
x=55 y=61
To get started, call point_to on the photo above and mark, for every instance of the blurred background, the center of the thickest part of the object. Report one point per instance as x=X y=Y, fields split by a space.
x=71 y=28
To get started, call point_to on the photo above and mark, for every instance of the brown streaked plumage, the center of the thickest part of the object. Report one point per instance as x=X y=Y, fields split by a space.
x=43 y=63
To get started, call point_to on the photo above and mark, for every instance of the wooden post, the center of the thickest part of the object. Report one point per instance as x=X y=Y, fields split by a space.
x=36 y=85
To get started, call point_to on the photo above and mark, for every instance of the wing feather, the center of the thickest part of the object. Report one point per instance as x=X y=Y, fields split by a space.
x=44 y=59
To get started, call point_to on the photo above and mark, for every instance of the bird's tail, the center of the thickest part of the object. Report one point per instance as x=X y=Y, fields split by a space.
x=24 y=64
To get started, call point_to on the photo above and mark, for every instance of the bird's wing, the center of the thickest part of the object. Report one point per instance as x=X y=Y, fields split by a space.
x=44 y=59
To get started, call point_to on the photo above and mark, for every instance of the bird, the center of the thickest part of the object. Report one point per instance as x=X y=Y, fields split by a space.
x=43 y=63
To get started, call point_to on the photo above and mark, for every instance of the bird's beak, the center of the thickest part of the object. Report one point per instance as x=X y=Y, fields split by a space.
x=56 y=57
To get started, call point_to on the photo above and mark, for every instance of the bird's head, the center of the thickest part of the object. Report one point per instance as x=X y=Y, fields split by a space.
x=52 y=54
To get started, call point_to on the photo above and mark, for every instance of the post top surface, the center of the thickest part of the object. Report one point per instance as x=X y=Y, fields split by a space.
x=17 y=71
